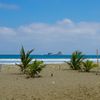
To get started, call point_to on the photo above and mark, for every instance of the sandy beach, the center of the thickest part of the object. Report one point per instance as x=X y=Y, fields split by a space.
x=66 y=84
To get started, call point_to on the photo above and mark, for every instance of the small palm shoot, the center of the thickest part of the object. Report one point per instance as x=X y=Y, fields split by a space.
x=35 y=68
x=25 y=59
x=76 y=60
x=88 y=65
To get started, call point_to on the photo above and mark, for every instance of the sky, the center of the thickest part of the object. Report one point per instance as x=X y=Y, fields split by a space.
x=49 y=26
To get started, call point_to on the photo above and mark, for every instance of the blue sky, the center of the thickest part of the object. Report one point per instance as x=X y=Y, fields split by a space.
x=49 y=26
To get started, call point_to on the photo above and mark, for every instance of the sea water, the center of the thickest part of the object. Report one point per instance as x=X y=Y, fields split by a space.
x=48 y=59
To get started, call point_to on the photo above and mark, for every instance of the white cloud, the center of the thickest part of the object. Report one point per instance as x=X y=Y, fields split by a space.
x=8 y=6
x=65 y=21
x=5 y=31
x=64 y=35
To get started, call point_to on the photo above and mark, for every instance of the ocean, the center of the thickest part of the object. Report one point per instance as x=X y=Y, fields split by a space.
x=48 y=59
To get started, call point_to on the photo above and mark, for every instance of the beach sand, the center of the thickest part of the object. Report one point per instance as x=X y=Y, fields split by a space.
x=65 y=84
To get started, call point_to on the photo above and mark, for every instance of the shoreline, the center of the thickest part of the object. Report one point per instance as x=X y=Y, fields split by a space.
x=46 y=61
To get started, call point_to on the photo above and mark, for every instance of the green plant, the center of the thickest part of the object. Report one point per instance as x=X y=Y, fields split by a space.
x=76 y=60
x=25 y=59
x=35 y=68
x=88 y=65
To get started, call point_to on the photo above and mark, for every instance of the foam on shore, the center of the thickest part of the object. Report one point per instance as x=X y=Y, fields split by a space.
x=46 y=61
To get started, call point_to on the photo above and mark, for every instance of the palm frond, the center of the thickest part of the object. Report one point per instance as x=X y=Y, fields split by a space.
x=25 y=59
x=35 y=68
x=88 y=65
x=76 y=60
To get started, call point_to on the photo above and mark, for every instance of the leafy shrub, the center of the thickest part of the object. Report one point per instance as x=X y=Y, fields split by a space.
x=35 y=68
x=76 y=60
x=88 y=65
x=25 y=59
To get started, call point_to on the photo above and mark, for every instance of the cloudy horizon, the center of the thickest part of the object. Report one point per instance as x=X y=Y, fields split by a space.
x=62 y=34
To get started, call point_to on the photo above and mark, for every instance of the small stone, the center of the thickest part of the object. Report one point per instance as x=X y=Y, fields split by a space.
x=51 y=74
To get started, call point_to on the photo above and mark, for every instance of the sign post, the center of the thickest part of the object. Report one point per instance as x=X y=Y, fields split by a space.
x=97 y=54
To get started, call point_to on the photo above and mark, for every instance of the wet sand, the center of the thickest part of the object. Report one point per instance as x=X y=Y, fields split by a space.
x=65 y=84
